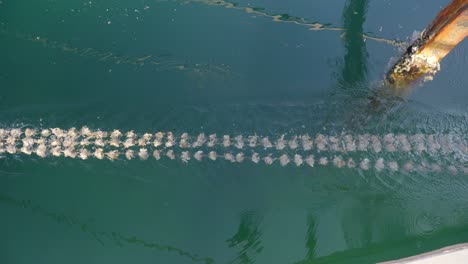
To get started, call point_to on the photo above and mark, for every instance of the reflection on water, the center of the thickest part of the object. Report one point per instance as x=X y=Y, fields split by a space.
x=355 y=59
x=338 y=167
x=247 y=240
x=311 y=239
x=102 y=237
x=353 y=76
x=156 y=62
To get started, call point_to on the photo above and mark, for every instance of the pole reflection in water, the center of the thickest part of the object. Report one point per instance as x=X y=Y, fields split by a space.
x=355 y=59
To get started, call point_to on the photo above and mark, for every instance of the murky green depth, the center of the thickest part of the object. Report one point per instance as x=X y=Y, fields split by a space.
x=260 y=67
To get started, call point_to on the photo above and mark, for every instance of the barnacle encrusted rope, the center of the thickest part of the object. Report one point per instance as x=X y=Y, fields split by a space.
x=341 y=151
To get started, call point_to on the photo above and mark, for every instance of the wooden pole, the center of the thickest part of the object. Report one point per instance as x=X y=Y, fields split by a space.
x=422 y=58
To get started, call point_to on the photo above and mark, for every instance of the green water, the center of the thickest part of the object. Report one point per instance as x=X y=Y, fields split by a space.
x=207 y=66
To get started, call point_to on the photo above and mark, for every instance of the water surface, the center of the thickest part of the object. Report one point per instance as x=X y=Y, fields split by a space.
x=263 y=68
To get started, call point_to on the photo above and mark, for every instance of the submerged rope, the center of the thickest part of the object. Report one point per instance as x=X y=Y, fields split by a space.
x=156 y=62
x=299 y=150
x=285 y=18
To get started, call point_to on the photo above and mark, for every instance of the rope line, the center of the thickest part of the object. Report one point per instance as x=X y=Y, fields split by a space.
x=298 y=150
